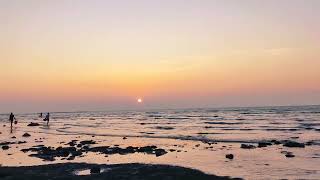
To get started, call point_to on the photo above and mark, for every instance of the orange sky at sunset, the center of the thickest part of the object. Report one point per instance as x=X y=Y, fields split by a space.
x=98 y=55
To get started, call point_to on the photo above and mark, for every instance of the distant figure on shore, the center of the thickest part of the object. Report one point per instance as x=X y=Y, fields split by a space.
x=12 y=118
x=47 y=118
x=40 y=116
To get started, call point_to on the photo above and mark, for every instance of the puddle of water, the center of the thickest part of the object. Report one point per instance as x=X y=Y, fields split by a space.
x=85 y=172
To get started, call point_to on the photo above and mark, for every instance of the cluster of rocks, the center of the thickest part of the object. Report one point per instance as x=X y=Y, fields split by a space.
x=286 y=143
x=5 y=145
x=77 y=149
x=50 y=153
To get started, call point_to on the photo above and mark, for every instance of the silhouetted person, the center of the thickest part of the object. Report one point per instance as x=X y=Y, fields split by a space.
x=47 y=118
x=40 y=116
x=11 y=118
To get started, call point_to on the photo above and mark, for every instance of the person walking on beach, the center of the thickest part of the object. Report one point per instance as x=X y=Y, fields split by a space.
x=47 y=118
x=12 y=118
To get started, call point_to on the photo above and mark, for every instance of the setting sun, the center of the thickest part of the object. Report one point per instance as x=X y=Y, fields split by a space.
x=139 y=100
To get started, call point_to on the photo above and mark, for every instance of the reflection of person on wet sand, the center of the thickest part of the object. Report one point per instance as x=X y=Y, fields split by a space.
x=47 y=118
x=12 y=118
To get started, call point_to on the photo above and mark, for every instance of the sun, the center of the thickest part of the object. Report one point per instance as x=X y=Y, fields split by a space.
x=139 y=100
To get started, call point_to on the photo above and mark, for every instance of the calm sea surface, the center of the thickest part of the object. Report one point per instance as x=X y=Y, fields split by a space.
x=184 y=130
x=231 y=124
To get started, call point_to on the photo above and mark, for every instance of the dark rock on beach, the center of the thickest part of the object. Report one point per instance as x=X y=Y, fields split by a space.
x=116 y=171
x=247 y=146
x=33 y=124
x=87 y=142
x=293 y=144
x=264 y=144
x=5 y=147
x=160 y=152
x=289 y=155
x=229 y=156
x=309 y=143
x=72 y=143
x=164 y=127
x=275 y=142
x=26 y=135
x=50 y=153
x=5 y=143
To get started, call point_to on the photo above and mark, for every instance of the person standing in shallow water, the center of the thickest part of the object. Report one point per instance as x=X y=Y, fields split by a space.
x=11 y=118
x=40 y=115
x=47 y=118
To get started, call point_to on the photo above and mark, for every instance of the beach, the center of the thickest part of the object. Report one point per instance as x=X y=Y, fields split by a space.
x=247 y=143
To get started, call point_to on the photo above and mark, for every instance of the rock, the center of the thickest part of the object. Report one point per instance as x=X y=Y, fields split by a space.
x=79 y=145
x=85 y=147
x=33 y=124
x=294 y=144
x=229 y=156
x=309 y=143
x=289 y=155
x=95 y=170
x=87 y=142
x=160 y=152
x=13 y=137
x=124 y=138
x=275 y=142
x=264 y=144
x=26 y=135
x=5 y=147
x=64 y=151
x=164 y=127
x=247 y=146
x=72 y=143
x=147 y=149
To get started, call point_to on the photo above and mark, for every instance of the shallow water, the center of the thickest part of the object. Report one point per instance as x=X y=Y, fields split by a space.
x=184 y=130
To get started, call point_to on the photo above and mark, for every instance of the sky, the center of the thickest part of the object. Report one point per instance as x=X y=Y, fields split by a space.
x=105 y=54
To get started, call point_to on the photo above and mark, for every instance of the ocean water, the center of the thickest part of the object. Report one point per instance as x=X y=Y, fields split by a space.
x=185 y=128
x=221 y=125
